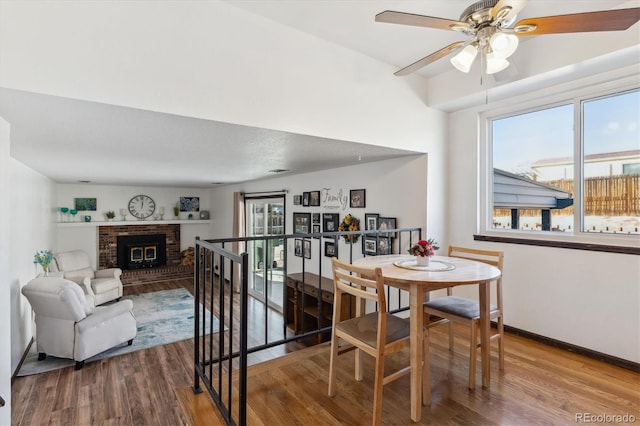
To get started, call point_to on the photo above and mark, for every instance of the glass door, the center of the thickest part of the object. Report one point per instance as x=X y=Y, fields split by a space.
x=265 y=218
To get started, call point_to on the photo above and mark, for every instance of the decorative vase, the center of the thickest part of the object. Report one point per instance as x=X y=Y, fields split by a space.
x=423 y=260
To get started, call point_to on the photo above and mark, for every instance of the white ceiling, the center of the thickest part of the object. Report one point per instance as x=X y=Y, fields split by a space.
x=85 y=140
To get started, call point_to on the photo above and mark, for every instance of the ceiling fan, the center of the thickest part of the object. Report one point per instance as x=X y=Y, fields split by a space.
x=488 y=23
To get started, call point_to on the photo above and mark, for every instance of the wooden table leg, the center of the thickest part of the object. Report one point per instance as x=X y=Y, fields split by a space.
x=416 y=341
x=485 y=330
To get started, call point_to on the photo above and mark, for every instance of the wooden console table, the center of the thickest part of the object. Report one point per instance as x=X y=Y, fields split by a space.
x=303 y=312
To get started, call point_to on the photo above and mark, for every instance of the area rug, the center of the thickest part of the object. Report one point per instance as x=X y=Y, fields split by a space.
x=163 y=317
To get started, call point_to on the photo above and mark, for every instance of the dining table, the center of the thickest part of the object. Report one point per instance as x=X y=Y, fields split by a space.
x=402 y=271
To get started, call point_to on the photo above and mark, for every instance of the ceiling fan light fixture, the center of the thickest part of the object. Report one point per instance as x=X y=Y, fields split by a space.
x=503 y=44
x=463 y=60
x=495 y=63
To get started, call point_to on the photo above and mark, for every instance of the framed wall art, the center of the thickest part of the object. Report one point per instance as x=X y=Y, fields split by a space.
x=385 y=223
x=314 y=198
x=85 y=204
x=305 y=199
x=330 y=249
x=384 y=245
x=297 y=248
x=371 y=221
x=315 y=228
x=357 y=198
x=301 y=223
x=297 y=200
x=330 y=222
x=370 y=246
x=315 y=218
x=189 y=204
x=306 y=248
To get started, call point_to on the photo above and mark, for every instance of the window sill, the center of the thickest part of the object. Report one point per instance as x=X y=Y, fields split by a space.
x=573 y=245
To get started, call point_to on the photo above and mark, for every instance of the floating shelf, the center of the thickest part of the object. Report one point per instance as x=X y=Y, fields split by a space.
x=132 y=223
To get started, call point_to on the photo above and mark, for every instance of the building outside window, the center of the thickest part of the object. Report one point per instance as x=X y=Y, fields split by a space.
x=573 y=165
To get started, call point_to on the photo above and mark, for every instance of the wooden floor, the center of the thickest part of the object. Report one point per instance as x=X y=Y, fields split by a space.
x=540 y=385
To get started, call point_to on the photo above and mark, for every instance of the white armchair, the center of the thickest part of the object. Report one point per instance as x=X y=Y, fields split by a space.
x=103 y=285
x=69 y=327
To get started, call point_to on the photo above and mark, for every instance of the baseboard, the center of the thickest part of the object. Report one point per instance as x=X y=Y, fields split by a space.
x=589 y=353
x=24 y=356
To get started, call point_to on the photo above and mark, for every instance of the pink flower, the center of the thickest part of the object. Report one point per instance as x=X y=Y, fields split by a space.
x=423 y=248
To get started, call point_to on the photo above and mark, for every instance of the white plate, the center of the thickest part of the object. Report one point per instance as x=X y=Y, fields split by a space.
x=434 y=265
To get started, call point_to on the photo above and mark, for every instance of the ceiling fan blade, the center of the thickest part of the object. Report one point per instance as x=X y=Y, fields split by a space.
x=392 y=17
x=605 y=20
x=515 y=7
x=429 y=59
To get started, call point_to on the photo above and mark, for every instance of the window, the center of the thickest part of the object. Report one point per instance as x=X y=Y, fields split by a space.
x=569 y=166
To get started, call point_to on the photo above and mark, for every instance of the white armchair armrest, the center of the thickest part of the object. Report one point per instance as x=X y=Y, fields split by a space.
x=90 y=297
x=104 y=313
x=109 y=273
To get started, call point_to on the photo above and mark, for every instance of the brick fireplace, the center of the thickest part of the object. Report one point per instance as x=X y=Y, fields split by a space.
x=108 y=252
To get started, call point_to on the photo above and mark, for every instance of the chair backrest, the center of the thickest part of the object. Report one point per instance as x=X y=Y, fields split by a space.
x=74 y=264
x=56 y=298
x=492 y=257
x=361 y=282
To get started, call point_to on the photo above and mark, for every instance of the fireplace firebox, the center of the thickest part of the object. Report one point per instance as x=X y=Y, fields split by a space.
x=141 y=251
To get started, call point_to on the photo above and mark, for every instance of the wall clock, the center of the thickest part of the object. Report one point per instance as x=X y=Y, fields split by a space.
x=142 y=206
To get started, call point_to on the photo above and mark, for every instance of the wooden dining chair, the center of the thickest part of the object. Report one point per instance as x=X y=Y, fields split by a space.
x=376 y=333
x=454 y=309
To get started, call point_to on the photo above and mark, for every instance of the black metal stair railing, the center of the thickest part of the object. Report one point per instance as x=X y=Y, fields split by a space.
x=222 y=312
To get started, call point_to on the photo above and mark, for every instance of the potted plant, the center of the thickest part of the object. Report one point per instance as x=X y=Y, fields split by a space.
x=44 y=259
x=423 y=250
x=176 y=210
x=110 y=215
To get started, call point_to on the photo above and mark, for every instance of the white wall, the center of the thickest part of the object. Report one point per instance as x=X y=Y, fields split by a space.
x=216 y=61
x=115 y=197
x=26 y=216
x=589 y=299
x=394 y=188
x=32 y=230
x=5 y=276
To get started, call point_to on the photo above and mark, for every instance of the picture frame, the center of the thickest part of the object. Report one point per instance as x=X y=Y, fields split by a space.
x=370 y=246
x=330 y=222
x=86 y=204
x=330 y=249
x=314 y=198
x=305 y=199
x=301 y=223
x=297 y=200
x=357 y=198
x=297 y=250
x=306 y=248
x=315 y=218
x=371 y=221
x=315 y=228
x=385 y=245
x=189 y=204
x=387 y=223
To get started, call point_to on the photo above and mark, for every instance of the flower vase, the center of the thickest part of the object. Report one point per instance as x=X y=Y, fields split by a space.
x=423 y=260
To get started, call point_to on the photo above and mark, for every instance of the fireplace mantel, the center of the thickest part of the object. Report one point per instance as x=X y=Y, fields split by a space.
x=133 y=223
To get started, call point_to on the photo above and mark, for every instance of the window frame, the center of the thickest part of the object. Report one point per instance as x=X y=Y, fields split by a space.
x=628 y=243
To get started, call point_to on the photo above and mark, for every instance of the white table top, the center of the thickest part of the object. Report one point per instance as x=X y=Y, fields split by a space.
x=465 y=272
